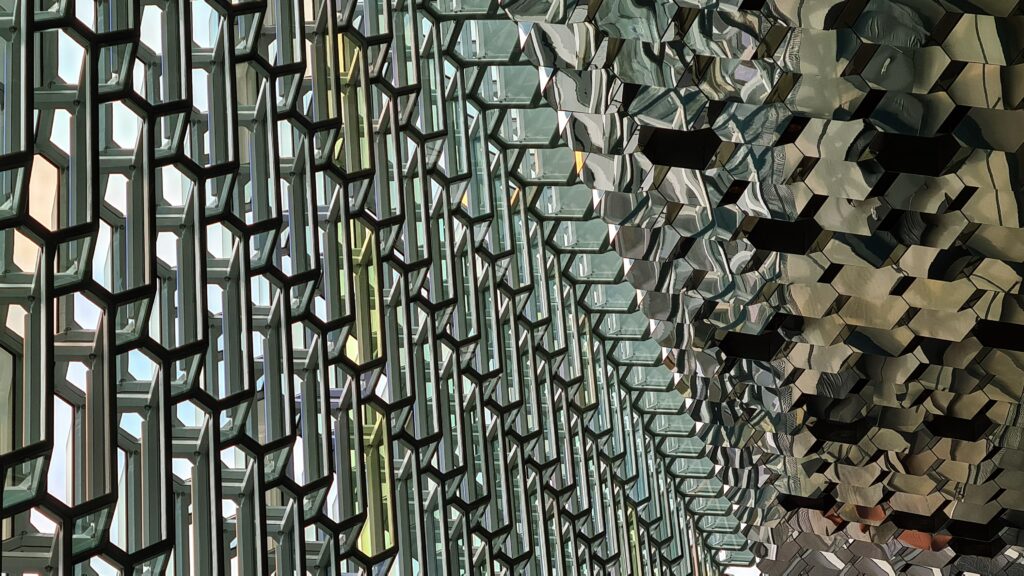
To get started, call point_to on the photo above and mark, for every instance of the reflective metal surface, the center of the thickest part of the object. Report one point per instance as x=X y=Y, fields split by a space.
x=818 y=204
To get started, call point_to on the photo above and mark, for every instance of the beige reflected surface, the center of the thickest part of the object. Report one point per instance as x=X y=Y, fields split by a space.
x=43 y=187
x=26 y=253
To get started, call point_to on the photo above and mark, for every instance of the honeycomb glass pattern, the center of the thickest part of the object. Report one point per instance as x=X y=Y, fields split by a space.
x=314 y=288
x=511 y=287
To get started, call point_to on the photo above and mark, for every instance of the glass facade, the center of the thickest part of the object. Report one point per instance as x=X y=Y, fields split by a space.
x=510 y=287
x=314 y=288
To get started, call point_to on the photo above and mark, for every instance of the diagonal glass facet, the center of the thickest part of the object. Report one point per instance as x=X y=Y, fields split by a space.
x=511 y=287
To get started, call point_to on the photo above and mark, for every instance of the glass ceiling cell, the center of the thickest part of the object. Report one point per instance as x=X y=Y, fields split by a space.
x=702 y=486
x=624 y=326
x=586 y=236
x=527 y=127
x=508 y=85
x=492 y=41
x=640 y=352
x=546 y=165
x=610 y=297
x=663 y=425
x=647 y=377
x=565 y=202
x=463 y=7
x=668 y=402
x=679 y=446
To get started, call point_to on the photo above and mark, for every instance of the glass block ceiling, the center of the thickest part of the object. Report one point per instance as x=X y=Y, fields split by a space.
x=417 y=287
